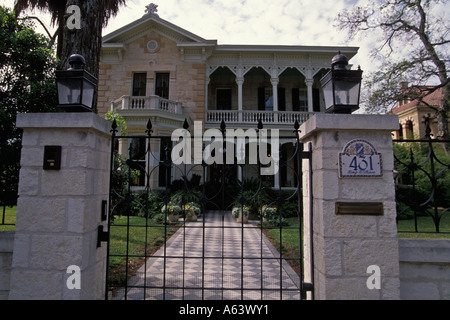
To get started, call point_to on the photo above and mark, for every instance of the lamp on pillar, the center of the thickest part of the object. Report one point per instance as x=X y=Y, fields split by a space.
x=341 y=86
x=76 y=86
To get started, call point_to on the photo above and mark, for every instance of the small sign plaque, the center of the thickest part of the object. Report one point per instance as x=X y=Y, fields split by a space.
x=360 y=159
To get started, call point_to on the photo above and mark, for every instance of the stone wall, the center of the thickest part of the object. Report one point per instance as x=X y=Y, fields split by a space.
x=424 y=269
x=6 y=252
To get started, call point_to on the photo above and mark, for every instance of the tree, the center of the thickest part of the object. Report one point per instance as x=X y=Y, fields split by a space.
x=85 y=40
x=56 y=9
x=416 y=30
x=27 y=84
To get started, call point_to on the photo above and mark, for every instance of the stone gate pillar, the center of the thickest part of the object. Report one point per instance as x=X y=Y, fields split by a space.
x=355 y=243
x=60 y=207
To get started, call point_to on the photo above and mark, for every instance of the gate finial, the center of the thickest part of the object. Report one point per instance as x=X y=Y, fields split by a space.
x=297 y=129
x=222 y=126
x=185 y=124
x=260 y=124
x=149 y=128
x=114 y=128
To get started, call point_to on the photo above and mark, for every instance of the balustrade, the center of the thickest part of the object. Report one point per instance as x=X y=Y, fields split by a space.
x=146 y=103
x=253 y=116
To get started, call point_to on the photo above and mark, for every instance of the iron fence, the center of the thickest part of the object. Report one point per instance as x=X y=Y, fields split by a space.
x=8 y=200
x=422 y=181
x=212 y=256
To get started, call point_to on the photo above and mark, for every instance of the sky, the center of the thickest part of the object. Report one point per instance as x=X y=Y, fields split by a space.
x=271 y=22
x=264 y=22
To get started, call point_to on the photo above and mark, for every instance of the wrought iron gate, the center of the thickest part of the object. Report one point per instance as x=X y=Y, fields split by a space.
x=204 y=231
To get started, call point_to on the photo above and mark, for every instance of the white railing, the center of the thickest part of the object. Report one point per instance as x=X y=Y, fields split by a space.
x=253 y=116
x=146 y=103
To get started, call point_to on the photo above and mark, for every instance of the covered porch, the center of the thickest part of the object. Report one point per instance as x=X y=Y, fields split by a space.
x=278 y=95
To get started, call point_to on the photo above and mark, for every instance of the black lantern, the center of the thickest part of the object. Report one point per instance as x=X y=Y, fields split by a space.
x=76 y=86
x=341 y=86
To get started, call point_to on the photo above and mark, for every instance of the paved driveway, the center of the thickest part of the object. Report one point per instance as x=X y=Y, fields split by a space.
x=230 y=271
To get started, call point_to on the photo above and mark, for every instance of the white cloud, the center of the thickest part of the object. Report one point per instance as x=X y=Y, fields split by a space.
x=247 y=21
x=280 y=22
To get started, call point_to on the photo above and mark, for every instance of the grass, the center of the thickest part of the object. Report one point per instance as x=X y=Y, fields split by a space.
x=144 y=239
x=425 y=227
x=7 y=218
x=289 y=241
x=139 y=247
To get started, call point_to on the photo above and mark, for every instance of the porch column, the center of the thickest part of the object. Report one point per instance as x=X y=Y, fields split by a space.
x=275 y=82
x=207 y=80
x=240 y=83
x=309 y=84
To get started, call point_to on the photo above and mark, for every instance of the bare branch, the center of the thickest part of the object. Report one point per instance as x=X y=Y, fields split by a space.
x=39 y=20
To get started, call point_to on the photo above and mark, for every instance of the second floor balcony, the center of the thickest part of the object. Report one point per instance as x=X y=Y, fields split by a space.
x=157 y=106
x=137 y=110
x=147 y=103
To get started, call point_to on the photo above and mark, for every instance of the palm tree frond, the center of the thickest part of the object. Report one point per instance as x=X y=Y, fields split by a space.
x=112 y=9
x=54 y=7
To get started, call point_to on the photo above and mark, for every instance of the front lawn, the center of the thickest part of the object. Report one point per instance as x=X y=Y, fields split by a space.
x=144 y=239
x=7 y=218
x=426 y=228
x=289 y=242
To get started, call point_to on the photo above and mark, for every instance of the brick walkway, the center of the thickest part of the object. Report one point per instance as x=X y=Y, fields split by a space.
x=227 y=275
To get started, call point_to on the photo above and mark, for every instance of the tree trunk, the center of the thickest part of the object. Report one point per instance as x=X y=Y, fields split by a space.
x=60 y=36
x=86 y=41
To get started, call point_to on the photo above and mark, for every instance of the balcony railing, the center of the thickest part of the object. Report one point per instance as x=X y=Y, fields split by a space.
x=253 y=116
x=146 y=103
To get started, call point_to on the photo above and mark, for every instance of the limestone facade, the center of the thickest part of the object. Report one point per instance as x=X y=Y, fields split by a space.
x=208 y=82
x=211 y=82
